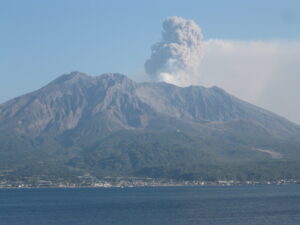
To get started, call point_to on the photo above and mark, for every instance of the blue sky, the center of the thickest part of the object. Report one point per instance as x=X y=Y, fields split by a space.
x=41 y=40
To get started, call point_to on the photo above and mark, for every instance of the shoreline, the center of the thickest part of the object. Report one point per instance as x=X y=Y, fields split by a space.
x=126 y=184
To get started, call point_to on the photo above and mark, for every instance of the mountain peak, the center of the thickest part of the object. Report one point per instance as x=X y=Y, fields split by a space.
x=113 y=79
x=73 y=76
x=109 y=125
x=114 y=76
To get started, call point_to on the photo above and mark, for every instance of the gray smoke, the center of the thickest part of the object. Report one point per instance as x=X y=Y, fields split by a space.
x=176 y=58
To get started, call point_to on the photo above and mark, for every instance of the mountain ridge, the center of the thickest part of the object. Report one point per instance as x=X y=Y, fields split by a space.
x=111 y=125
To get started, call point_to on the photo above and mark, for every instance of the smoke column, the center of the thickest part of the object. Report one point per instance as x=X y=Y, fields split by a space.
x=176 y=58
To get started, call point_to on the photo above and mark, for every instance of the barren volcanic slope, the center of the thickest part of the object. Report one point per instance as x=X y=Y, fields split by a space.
x=110 y=125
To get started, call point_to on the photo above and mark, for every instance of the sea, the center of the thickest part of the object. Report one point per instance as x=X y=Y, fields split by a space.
x=205 y=205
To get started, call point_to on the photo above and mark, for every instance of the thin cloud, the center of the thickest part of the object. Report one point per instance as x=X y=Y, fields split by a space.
x=266 y=73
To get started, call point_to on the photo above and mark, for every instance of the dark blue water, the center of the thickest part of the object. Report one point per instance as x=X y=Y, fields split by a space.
x=243 y=205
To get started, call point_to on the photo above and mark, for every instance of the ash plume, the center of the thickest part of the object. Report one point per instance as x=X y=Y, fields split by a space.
x=176 y=58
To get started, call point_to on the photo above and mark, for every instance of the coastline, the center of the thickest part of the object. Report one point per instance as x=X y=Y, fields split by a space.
x=131 y=183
